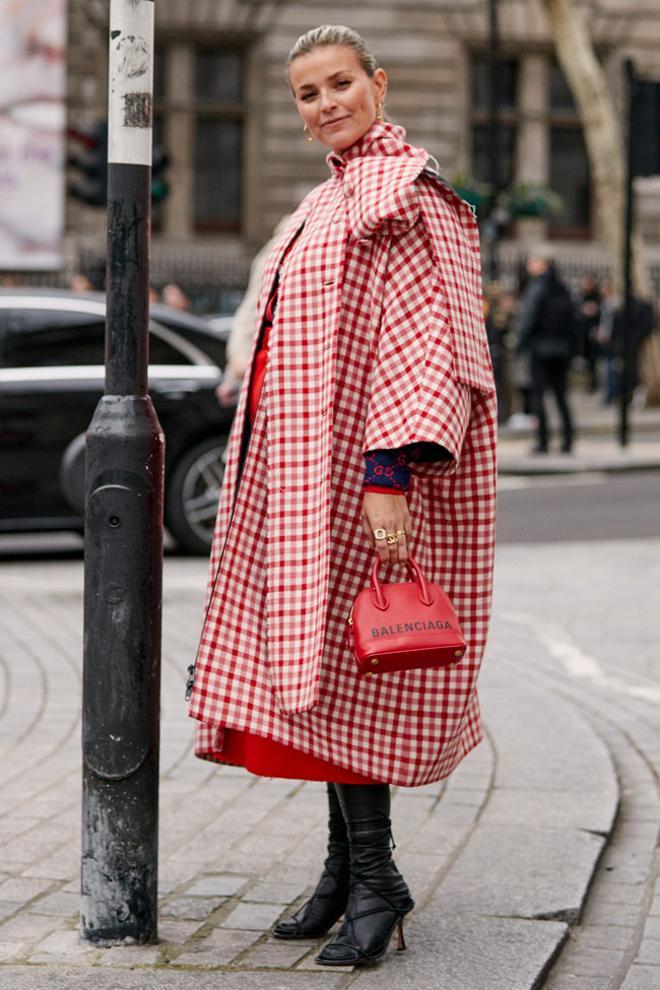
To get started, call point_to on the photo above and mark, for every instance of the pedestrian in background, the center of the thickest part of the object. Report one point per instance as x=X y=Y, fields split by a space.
x=638 y=330
x=174 y=296
x=368 y=427
x=546 y=331
x=589 y=303
x=522 y=414
x=80 y=283
x=498 y=312
x=608 y=306
x=244 y=325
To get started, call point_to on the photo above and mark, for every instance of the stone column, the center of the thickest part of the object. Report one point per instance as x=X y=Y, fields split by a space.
x=179 y=140
x=533 y=139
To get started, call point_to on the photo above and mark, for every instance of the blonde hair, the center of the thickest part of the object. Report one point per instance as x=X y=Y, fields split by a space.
x=334 y=34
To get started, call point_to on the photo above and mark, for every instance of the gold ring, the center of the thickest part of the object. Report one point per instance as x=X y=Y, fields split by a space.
x=391 y=538
x=400 y=532
x=379 y=534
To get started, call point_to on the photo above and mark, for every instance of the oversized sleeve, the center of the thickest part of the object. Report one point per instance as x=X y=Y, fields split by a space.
x=432 y=355
x=416 y=401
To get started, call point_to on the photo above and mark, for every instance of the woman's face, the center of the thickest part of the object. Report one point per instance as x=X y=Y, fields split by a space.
x=335 y=97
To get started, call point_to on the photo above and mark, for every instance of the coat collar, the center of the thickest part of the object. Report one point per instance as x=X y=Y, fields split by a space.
x=377 y=176
x=382 y=138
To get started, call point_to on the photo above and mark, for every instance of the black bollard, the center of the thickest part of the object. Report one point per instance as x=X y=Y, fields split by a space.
x=123 y=534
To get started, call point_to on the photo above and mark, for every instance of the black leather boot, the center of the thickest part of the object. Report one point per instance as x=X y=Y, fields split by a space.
x=379 y=897
x=328 y=902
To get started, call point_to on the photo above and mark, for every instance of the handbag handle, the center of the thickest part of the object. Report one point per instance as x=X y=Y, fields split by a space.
x=425 y=596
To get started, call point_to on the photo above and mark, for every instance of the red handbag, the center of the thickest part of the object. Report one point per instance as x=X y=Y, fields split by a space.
x=404 y=626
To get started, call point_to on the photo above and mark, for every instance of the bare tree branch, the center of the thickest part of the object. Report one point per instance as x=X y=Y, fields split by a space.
x=603 y=134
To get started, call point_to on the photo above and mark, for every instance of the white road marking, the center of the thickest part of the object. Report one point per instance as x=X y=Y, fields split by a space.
x=577 y=662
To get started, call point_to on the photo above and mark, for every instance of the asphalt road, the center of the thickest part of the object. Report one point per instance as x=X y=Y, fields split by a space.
x=581 y=507
x=530 y=510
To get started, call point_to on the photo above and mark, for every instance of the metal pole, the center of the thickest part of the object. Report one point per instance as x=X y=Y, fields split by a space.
x=628 y=356
x=123 y=533
x=493 y=135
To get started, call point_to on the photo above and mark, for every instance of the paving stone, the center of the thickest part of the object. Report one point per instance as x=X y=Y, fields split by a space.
x=55 y=978
x=129 y=955
x=652 y=928
x=649 y=952
x=654 y=910
x=254 y=917
x=251 y=864
x=569 y=982
x=63 y=946
x=219 y=949
x=23 y=889
x=595 y=962
x=166 y=887
x=275 y=892
x=456 y=953
x=61 y=904
x=593 y=810
x=26 y=926
x=176 y=932
x=275 y=955
x=194 y=908
x=576 y=756
x=436 y=837
x=9 y=951
x=532 y=872
x=603 y=914
x=277 y=845
x=8 y=908
x=642 y=978
x=216 y=886
x=605 y=936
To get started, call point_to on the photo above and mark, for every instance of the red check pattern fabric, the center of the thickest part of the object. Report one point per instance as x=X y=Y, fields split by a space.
x=378 y=342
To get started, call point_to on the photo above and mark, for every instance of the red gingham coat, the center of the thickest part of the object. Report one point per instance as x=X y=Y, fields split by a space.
x=378 y=342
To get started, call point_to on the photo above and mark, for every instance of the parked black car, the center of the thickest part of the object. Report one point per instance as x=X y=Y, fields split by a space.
x=51 y=378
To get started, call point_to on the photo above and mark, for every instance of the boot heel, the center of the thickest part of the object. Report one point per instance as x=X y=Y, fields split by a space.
x=401 y=942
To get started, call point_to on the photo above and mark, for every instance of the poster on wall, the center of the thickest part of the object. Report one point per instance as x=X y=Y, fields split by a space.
x=32 y=121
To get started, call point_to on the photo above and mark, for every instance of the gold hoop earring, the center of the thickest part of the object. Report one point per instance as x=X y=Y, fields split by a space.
x=379 y=112
x=306 y=131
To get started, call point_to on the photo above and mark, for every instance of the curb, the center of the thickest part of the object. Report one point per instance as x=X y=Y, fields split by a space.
x=504 y=909
x=525 y=466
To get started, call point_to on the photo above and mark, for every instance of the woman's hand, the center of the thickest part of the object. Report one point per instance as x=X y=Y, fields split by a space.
x=388 y=512
x=227 y=391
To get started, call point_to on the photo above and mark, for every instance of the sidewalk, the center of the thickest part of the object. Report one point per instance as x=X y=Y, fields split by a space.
x=596 y=447
x=500 y=857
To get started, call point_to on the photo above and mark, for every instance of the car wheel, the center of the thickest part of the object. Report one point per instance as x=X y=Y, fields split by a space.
x=191 y=496
x=72 y=474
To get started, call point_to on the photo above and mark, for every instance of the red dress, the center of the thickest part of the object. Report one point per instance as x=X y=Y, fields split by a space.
x=258 y=754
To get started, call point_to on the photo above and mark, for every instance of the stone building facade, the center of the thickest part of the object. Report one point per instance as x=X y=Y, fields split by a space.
x=239 y=159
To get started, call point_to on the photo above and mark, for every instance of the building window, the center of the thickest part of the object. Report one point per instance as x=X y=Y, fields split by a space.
x=562 y=157
x=506 y=101
x=569 y=165
x=199 y=114
x=218 y=139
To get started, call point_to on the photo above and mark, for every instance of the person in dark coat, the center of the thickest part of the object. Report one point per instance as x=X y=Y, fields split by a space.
x=640 y=329
x=546 y=331
x=589 y=304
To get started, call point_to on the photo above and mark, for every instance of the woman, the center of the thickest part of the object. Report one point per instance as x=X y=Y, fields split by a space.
x=371 y=401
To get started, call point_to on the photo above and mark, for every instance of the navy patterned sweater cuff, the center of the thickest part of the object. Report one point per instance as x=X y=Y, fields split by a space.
x=387 y=469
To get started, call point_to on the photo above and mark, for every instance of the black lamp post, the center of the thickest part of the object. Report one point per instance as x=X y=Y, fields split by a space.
x=493 y=135
x=123 y=533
